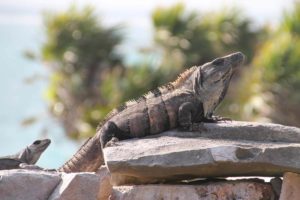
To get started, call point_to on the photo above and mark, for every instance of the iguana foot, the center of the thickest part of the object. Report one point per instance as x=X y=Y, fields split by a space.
x=215 y=119
x=223 y=119
x=35 y=167
x=51 y=170
x=112 y=142
x=30 y=167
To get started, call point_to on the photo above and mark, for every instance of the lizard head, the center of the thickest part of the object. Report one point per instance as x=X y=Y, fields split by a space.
x=32 y=153
x=212 y=80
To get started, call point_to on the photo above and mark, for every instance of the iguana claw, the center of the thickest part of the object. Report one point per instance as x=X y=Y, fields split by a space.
x=215 y=119
x=112 y=142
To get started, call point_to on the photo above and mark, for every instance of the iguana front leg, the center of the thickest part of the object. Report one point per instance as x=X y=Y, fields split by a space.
x=190 y=118
x=34 y=167
x=110 y=133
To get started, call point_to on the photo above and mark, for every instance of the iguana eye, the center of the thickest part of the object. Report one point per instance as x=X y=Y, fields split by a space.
x=218 y=61
x=37 y=142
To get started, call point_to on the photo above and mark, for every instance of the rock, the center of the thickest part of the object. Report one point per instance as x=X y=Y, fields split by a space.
x=221 y=150
x=276 y=184
x=251 y=131
x=246 y=190
x=290 y=187
x=24 y=184
x=36 y=185
x=77 y=186
x=105 y=187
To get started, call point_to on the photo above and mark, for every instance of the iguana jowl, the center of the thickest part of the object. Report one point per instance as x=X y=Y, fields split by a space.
x=189 y=100
x=27 y=156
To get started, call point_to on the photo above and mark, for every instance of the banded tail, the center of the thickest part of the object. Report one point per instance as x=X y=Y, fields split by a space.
x=87 y=159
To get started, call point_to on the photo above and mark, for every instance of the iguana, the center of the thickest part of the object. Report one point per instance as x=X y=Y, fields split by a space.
x=26 y=157
x=184 y=103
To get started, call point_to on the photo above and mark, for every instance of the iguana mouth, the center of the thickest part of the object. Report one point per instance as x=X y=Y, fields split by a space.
x=225 y=76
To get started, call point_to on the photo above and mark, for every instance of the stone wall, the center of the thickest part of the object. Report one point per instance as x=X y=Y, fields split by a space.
x=178 y=165
x=39 y=185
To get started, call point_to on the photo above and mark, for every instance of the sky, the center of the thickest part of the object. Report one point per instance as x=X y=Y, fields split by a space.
x=136 y=12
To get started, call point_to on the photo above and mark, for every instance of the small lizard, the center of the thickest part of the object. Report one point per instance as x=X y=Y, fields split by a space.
x=26 y=157
x=184 y=103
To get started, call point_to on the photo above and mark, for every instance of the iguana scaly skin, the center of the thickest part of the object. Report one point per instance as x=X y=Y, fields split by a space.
x=27 y=156
x=184 y=103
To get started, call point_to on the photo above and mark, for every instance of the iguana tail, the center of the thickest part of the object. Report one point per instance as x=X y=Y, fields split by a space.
x=87 y=159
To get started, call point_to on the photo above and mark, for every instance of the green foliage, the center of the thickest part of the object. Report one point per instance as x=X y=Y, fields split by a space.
x=275 y=75
x=281 y=61
x=187 y=38
x=191 y=39
x=132 y=82
x=230 y=30
x=171 y=18
x=75 y=36
x=291 y=20
x=80 y=51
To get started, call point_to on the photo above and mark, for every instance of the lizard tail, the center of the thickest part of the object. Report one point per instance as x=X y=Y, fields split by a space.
x=87 y=159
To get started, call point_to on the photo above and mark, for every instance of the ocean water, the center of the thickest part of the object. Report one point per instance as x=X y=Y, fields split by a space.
x=20 y=100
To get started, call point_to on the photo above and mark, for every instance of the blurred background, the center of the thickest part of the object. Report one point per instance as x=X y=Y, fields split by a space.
x=66 y=64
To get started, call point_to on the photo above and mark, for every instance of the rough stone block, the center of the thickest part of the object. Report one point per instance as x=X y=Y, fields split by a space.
x=220 y=150
x=39 y=185
x=77 y=186
x=246 y=190
x=23 y=184
x=290 y=189
x=105 y=187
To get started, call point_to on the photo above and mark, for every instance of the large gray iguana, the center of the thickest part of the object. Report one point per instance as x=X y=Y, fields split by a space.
x=26 y=157
x=184 y=103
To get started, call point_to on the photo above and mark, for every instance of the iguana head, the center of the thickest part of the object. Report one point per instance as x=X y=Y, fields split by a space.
x=212 y=80
x=32 y=153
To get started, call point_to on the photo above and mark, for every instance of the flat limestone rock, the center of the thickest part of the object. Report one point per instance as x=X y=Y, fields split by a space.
x=220 y=150
x=23 y=184
x=77 y=186
x=20 y=184
x=246 y=190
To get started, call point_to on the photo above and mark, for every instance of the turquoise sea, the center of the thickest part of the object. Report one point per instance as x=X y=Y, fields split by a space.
x=20 y=100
